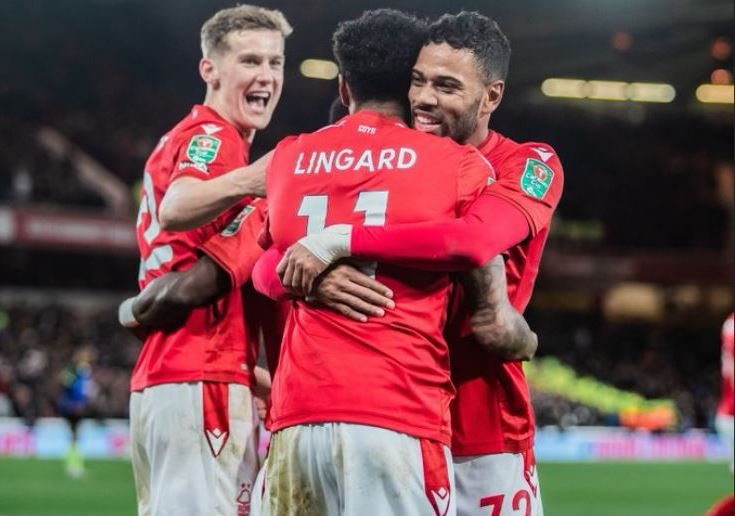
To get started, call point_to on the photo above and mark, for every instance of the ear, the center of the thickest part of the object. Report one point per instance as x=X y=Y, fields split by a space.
x=492 y=98
x=209 y=72
x=344 y=91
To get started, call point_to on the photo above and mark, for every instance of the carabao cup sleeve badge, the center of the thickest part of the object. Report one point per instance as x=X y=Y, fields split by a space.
x=203 y=149
x=536 y=179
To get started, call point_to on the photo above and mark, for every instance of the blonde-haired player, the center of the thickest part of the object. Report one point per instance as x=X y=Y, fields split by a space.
x=193 y=426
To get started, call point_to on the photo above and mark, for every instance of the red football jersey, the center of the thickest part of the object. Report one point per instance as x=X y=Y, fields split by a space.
x=236 y=250
x=727 y=401
x=492 y=412
x=393 y=371
x=213 y=343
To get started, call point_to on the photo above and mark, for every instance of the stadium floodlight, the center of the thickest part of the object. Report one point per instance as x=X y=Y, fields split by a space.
x=569 y=88
x=609 y=90
x=319 y=69
x=716 y=93
x=651 y=92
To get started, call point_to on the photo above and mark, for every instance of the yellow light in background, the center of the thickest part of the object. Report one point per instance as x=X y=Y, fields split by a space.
x=608 y=90
x=651 y=92
x=319 y=69
x=571 y=88
x=716 y=94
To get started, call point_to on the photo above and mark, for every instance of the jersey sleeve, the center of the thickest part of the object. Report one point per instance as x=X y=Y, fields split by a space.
x=473 y=176
x=265 y=277
x=236 y=249
x=532 y=180
x=207 y=151
x=489 y=227
x=485 y=227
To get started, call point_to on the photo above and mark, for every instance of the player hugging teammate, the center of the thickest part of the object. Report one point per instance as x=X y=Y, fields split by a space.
x=364 y=412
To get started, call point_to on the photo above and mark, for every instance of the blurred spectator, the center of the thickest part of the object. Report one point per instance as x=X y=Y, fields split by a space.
x=37 y=345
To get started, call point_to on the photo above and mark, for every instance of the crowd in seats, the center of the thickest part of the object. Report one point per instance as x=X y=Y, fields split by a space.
x=37 y=343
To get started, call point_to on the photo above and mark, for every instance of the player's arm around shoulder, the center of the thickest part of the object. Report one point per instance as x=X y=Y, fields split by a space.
x=209 y=176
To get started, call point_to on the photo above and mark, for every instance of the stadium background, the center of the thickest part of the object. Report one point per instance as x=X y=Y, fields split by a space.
x=636 y=280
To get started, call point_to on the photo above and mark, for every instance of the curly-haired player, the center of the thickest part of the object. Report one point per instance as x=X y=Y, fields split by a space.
x=457 y=83
x=360 y=411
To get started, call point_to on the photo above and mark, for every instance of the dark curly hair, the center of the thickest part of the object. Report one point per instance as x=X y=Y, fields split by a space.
x=376 y=53
x=479 y=34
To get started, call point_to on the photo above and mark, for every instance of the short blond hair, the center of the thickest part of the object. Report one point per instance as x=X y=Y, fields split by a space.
x=235 y=19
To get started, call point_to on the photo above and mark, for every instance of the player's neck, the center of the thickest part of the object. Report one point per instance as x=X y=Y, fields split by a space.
x=387 y=107
x=479 y=136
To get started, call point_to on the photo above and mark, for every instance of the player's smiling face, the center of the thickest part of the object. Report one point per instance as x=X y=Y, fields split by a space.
x=248 y=78
x=446 y=92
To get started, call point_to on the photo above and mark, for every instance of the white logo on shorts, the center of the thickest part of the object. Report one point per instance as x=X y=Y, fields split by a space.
x=441 y=499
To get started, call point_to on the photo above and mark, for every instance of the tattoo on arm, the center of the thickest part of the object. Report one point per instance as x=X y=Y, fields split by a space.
x=498 y=327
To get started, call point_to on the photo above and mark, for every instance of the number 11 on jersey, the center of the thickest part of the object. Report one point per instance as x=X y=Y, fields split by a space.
x=373 y=203
x=314 y=207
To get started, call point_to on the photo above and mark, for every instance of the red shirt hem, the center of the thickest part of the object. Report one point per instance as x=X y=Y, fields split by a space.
x=493 y=447
x=362 y=419
x=161 y=378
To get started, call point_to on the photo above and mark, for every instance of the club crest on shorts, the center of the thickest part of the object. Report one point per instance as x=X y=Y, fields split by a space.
x=203 y=149
x=244 y=500
x=536 y=179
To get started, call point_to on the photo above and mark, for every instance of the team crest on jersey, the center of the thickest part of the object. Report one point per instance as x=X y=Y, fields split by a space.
x=234 y=226
x=203 y=149
x=536 y=179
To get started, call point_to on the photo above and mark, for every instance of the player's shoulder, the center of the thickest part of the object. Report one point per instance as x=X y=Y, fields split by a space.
x=205 y=127
x=308 y=138
x=524 y=150
x=512 y=157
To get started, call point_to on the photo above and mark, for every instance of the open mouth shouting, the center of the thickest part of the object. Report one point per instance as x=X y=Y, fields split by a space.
x=258 y=100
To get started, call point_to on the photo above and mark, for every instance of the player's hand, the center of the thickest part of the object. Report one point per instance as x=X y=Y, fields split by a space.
x=298 y=269
x=348 y=291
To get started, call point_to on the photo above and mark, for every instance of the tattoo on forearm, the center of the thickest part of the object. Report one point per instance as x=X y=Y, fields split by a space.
x=498 y=326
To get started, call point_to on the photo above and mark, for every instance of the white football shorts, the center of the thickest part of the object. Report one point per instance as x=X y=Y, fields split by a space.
x=336 y=469
x=194 y=449
x=503 y=484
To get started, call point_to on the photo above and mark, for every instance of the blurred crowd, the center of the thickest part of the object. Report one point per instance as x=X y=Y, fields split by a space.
x=38 y=343
x=671 y=359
